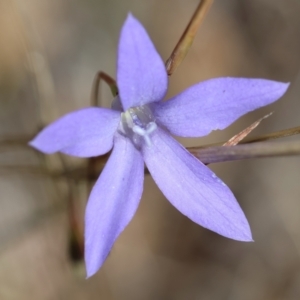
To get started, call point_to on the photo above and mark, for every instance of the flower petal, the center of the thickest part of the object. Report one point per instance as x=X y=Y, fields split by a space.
x=215 y=104
x=141 y=73
x=113 y=202
x=193 y=188
x=84 y=133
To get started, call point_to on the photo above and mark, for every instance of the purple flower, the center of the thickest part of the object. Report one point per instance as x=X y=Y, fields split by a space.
x=141 y=132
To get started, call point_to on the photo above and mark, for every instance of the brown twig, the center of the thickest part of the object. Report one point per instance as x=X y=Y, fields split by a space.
x=244 y=133
x=187 y=38
x=246 y=151
x=95 y=88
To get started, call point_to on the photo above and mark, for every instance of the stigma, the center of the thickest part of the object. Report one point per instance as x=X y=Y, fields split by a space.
x=138 y=124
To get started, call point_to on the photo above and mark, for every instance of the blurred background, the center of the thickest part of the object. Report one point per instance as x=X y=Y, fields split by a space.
x=49 y=54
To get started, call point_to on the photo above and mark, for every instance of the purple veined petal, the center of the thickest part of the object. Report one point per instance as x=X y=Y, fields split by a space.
x=215 y=104
x=83 y=133
x=141 y=73
x=113 y=202
x=193 y=188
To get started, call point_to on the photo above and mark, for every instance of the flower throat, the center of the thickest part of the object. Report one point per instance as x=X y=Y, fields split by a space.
x=137 y=123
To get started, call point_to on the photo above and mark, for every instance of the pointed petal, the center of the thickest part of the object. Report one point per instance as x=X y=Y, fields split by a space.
x=83 y=133
x=113 y=202
x=141 y=73
x=193 y=188
x=215 y=104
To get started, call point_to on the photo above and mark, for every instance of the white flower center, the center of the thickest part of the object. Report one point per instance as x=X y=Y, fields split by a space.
x=138 y=123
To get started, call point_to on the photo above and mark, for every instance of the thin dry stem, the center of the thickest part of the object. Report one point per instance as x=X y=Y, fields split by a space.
x=244 y=133
x=246 y=151
x=95 y=89
x=263 y=138
x=187 y=38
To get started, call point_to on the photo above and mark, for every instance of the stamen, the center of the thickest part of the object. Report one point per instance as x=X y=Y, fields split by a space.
x=135 y=118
